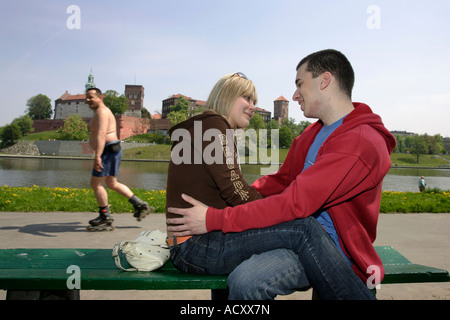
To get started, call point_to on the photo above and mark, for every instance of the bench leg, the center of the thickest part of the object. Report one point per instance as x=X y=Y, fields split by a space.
x=43 y=295
x=219 y=294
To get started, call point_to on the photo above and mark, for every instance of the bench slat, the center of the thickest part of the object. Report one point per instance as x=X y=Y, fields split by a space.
x=399 y=269
x=56 y=279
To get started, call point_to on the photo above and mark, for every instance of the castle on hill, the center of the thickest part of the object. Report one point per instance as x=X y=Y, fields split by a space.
x=131 y=122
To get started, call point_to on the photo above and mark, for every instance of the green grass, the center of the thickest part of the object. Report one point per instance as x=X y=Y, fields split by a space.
x=425 y=160
x=45 y=135
x=155 y=152
x=431 y=201
x=44 y=199
x=162 y=152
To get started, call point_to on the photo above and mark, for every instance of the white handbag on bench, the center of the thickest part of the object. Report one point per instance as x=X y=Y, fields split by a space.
x=147 y=252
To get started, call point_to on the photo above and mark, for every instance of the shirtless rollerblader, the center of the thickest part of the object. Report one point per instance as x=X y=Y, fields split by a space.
x=108 y=154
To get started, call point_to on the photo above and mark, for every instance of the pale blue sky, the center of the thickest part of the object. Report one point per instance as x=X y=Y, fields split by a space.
x=184 y=47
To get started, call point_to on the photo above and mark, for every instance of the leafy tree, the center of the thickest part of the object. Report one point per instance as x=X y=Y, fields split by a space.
x=181 y=106
x=407 y=143
x=290 y=123
x=424 y=144
x=25 y=123
x=10 y=134
x=303 y=125
x=117 y=104
x=286 y=137
x=434 y=143
x=272 y=125
x=39 y=107
x=419 y=146
x=179 y=112
x=400 y=143
x=145 y=113
x=74 y=128
x=175 y=117
x=257 y=122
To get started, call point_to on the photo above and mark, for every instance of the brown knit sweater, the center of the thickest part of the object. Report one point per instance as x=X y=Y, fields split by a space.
x=204 y=165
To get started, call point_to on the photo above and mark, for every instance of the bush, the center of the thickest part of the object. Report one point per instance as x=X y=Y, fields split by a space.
x=10 y=134
x=74 y=128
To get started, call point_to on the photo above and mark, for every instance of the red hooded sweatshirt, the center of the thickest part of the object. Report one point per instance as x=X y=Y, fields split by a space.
x=345 y=181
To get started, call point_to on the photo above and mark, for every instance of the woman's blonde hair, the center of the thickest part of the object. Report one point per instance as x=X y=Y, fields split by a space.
x=227 y=90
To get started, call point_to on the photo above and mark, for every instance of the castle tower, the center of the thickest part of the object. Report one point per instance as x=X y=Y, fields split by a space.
x=281 y=109
x=90 y=83
x=135 y=96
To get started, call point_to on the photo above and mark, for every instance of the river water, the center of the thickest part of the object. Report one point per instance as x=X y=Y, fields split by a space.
x=74 y=173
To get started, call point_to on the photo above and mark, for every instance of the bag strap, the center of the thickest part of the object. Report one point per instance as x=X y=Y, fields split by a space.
x=115 y=254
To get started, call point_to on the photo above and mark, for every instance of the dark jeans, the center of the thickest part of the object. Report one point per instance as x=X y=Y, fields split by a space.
x=326 y=268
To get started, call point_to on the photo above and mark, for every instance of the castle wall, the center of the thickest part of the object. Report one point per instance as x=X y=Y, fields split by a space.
x=131 y=126
x=67 y=108
x=126 y=126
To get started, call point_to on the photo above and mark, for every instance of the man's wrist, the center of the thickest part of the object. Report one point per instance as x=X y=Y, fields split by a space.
x=213 y=219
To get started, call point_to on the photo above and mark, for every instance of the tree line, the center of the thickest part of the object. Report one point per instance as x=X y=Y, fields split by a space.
x=420 y=144
x=38 y=107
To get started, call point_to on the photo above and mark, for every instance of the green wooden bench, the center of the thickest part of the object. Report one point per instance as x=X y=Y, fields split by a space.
x=41 y=273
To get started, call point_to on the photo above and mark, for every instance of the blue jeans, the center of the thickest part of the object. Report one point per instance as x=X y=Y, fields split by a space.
x=282 y=274
x=326 y=269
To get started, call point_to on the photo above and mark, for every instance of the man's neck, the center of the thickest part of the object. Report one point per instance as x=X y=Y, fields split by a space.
x=100 y=106
x=338 y=110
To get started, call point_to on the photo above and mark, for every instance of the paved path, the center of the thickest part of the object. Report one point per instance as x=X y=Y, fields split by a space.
x=422 y=238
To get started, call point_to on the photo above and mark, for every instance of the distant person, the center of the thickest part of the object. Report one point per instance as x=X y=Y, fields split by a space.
x=108 y=154
x=422 y=184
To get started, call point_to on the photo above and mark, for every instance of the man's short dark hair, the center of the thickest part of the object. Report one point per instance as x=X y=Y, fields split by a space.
x=334 y=62
x=98 y=92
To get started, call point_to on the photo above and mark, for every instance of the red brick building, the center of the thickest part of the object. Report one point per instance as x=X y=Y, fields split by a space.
x=194 y=105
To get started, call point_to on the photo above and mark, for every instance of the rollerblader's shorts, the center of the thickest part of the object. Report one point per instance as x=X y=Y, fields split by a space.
x=111 y=157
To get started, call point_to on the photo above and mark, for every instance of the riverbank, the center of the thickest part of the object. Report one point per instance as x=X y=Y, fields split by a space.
x=148 y=152
x=46 y=199
x=6 y=155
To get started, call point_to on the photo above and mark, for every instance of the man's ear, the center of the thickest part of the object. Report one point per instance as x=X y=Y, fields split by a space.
x=325 y=80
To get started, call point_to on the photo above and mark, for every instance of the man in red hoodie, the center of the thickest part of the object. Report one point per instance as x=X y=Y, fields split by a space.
x=333 y=171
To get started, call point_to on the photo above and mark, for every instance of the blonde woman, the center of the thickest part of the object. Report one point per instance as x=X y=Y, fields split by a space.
x=204 y=160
